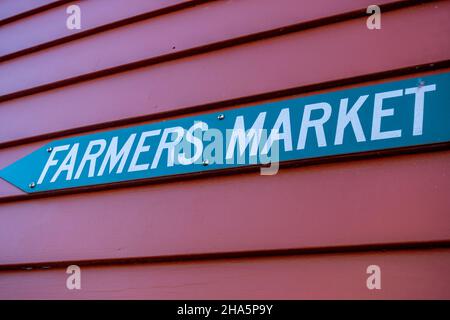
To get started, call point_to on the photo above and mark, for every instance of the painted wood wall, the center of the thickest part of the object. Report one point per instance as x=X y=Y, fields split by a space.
x=307 y=232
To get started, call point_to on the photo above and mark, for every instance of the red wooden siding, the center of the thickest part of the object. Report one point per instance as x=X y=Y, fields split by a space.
x=342 y=204
x=11 y=9
x=236 y=72
x=50 y=25
x=138 y=61
x=182 y=30
x=418 y=274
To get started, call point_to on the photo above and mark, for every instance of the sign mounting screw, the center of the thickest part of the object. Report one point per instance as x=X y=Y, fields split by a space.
x=32 y=185
x=205 y=162
x=221 y=116
x=50 y=149
x=421 y=83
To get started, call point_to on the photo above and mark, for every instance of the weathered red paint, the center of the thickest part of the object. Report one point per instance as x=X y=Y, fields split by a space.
x=372 y=203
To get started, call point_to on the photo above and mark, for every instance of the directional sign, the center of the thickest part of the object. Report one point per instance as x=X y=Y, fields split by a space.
x=391 y=115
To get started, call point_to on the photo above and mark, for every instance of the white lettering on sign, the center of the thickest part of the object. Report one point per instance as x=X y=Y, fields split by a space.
x=141 y=148
x=284 y=121
x=198 y=144
x=91 y=157
x=68 y=163
x=244 y=137
x=113 y=157
x=102 y=157
x=419 y=106
x=379 y=113
x=51 y=161
x=169 y=145
x=347 y=117
x=316 y=124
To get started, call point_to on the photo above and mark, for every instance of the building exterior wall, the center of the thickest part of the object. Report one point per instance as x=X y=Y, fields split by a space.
x=308 y=232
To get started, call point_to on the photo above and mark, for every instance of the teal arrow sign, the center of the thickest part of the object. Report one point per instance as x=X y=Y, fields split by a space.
x=404 y=113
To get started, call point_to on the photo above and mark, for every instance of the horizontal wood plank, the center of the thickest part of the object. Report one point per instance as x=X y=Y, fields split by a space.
x=12 y=8
x=412 y=274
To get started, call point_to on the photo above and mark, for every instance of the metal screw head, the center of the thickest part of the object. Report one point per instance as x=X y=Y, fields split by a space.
x=421 y=83
x=205 y=162
x=50 y=149
x=32 y=185
x=221 y=116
